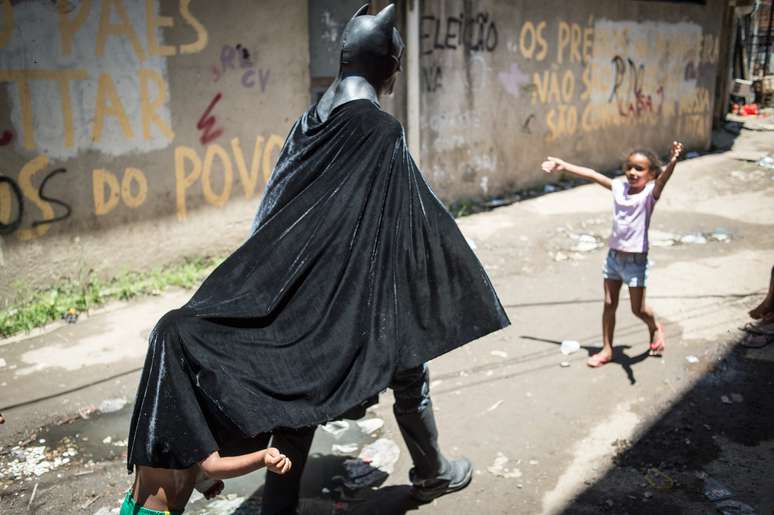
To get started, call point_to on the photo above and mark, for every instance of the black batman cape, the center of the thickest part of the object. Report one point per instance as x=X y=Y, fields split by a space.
x=356 y=270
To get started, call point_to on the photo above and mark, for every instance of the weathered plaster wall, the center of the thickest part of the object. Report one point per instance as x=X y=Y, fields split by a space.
x=505 y=83
x=120 y=119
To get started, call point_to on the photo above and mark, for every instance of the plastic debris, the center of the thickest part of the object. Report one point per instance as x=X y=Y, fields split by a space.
x=360 y=475
x=732 y=507
x=694 y=239
x=71 y=316
x=499 y=354
x=108 y=439
x=35 y=461
x=725 y=400
x=345 y=448
x=767 y=162
x=2 y=363
x=586 y=242
x=662 y=239
x=714 y=491
x=85 y=411
x=692 y=359
x=336 y=427
x=569 y=347
x=720 y=234
x=382 y=454
x=564 y=364
x=494 y=406
x=498 y=468
x=370 y=425
x=111 y=405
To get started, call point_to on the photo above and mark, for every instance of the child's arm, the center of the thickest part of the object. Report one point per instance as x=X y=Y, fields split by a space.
x=218 y=467
x=663 y=177
x=554 y=164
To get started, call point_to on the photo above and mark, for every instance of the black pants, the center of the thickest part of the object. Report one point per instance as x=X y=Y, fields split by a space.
x=413 y=411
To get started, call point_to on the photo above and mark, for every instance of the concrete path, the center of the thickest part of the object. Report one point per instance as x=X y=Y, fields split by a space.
x=640 y=435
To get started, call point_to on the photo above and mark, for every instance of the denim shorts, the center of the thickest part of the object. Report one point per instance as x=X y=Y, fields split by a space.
x=629 y=267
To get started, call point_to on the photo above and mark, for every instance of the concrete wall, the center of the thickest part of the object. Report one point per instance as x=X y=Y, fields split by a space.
x=134 y=132
x=119 y=119
x=505 y=83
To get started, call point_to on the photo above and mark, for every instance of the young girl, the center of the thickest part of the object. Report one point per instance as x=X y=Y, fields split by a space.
x=627 y=260
x=159 y=491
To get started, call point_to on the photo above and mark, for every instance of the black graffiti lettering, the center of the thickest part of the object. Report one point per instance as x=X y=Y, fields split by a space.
x=453 y=26
x=13 y=224
x=432 y=77
x=45 y=197
x=632 y=100
x=475 y=33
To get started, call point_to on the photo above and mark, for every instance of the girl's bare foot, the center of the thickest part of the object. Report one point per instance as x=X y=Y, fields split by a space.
x=599 y=359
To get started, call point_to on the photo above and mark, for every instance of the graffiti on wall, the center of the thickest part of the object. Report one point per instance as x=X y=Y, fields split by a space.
x=102 y=86
x=613 y=73
x=441 y=36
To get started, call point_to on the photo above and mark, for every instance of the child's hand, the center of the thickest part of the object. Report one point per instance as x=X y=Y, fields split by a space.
x=677 y=149
x=553 y=164
x=276 y=462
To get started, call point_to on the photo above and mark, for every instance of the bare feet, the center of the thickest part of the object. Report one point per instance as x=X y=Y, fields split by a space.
x=599 y=359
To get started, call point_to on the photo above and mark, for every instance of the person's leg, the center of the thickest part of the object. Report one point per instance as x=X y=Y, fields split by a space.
x=767 y=306
x=281 y=493
x=612 y=288
x=433 y=475
x=642 y=311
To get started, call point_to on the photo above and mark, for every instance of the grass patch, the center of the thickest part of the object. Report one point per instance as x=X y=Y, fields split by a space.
x=39 y=307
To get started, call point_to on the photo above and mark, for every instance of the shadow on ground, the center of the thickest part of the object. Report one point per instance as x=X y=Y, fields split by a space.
x=720 y=434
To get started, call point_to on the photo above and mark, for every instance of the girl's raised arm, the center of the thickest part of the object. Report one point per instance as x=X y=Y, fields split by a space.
x=666 y=173
x=554 y=164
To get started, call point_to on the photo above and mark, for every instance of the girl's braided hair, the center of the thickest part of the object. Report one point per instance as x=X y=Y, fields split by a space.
x=655 y=162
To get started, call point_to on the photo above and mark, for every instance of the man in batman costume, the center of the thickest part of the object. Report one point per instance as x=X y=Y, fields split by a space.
x=354 y=277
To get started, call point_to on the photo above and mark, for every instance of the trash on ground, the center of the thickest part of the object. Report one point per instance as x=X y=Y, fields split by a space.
x=382 y=454
x=662 y=239
x=737 y=397
x=35 y=461
x=564 y=364
x=732 y=507
x=344 y=448
x=2 y=363
x=692 y=359
x=586 y=242
x=370 y=425
x=111 y=405
x=498 y=468
x=360 y=474
x=85 y=411
x=336 y=427
x=108 y=439
x=569 y=347
x=71 y=316
x=499 y=354
x=725 y=399
x=715 y=491
x=494 y=406
x=658 y=479
x=694 y=239
x=549 y=188
x=767 y=162
x=720 y=234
